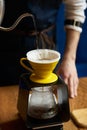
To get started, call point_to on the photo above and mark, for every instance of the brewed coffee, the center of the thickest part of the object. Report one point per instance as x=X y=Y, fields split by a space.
x=42 y=104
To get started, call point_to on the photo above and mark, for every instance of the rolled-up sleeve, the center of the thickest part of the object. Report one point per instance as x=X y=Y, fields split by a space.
x=75 y=10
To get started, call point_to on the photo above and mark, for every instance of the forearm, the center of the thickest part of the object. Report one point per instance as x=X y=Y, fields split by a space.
x=74 y=10
x=67 y=69
x=72 y=40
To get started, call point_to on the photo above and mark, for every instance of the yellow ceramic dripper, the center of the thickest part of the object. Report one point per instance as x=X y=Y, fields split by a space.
x=43 y=62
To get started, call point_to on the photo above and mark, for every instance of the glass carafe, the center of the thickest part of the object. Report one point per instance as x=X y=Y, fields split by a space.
x=42 y=103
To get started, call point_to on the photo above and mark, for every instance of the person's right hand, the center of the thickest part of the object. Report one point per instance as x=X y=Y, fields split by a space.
x=67 y=70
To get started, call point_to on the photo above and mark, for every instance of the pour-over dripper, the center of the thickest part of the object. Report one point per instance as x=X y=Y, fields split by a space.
x=43 y=62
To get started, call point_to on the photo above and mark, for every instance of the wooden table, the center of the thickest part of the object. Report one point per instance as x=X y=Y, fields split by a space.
x=10 y=119
x=79 y=102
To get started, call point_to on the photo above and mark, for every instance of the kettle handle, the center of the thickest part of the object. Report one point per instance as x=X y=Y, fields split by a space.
x=2 y=10
x=24 y=65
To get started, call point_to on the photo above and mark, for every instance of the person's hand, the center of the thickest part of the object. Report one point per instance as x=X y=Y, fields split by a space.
x=67 y=70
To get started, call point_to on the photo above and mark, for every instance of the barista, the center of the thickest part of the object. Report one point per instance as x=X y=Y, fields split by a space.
x=45 y=13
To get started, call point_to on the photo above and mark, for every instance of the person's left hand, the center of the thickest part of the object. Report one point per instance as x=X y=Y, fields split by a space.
x=67 y=70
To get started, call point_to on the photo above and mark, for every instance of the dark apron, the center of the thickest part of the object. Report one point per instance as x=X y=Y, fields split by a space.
x=45 y=12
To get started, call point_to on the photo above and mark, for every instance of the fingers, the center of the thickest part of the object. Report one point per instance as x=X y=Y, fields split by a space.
x=69 y=82
x=72 y=86
x=70 y=77
x=75 y=84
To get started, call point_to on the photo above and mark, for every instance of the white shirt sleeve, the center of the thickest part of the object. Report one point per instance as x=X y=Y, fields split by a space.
x=75 y=10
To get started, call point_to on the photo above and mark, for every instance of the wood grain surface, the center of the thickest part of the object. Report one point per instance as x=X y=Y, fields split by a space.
x=79 y=116
x=78 y=102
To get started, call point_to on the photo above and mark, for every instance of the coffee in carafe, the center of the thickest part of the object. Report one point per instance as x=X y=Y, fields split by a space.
x=42 y=103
